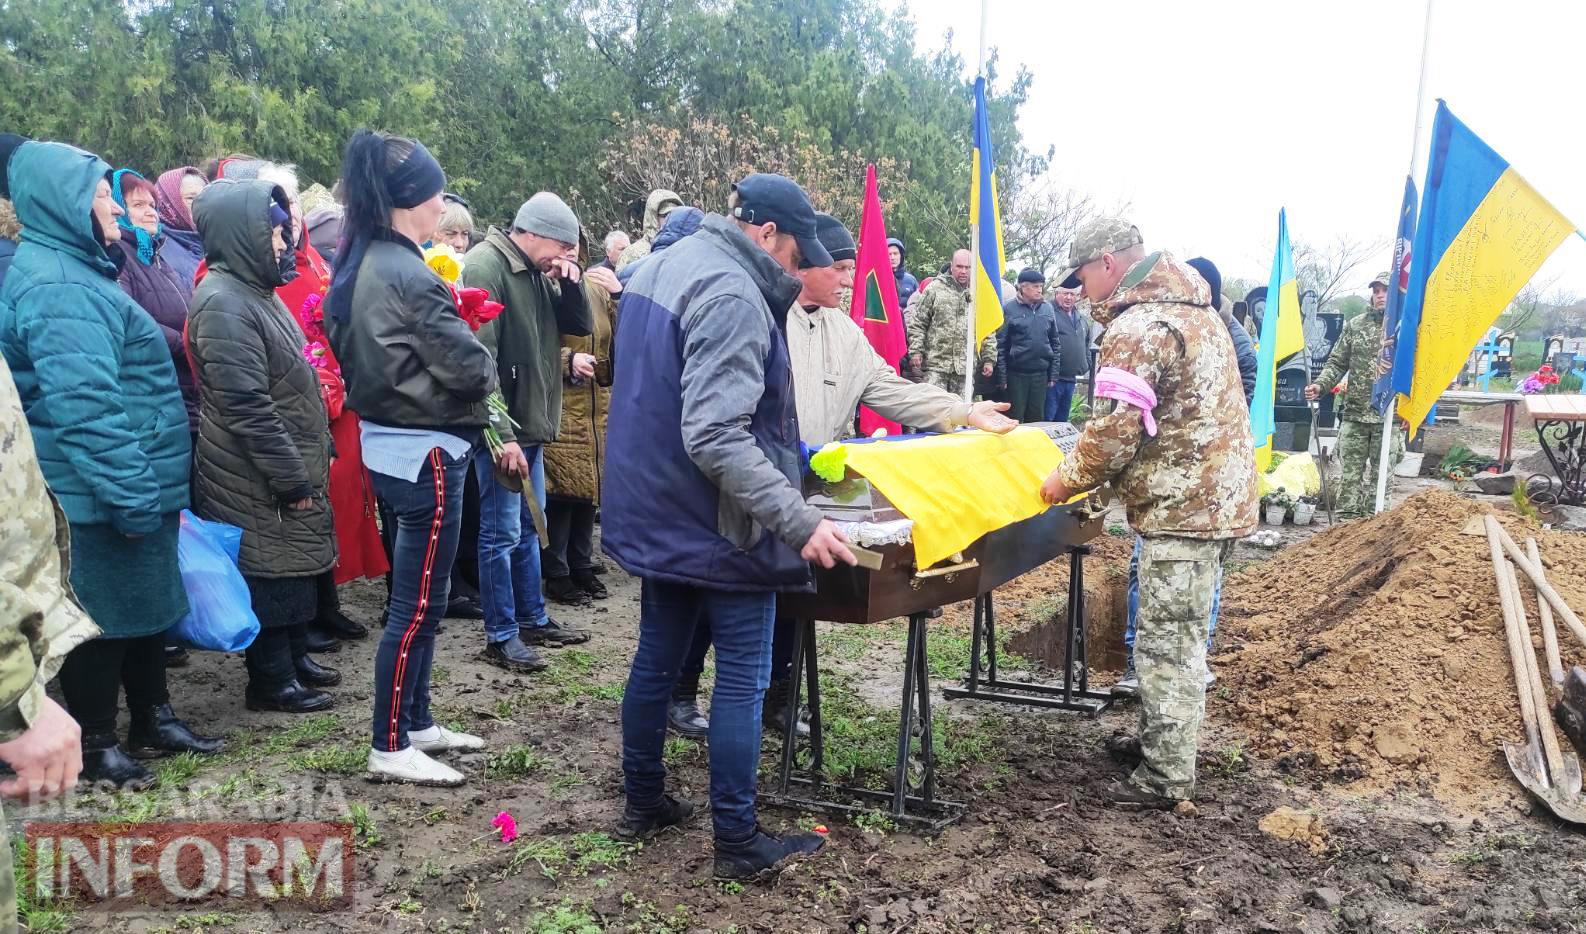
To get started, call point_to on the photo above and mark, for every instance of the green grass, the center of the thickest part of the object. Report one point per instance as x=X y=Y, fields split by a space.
x=947 y=652
x=573 y=676
x=680 y=750
x=515 y=762
x=336 y=760
x=303 y=733
x=578 y=854
x=365 y=834
x=176 y=771
x=38 y=917
x=569 y=917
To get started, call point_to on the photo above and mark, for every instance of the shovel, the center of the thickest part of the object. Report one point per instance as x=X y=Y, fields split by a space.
x=1552 y=774
x=1321 y=466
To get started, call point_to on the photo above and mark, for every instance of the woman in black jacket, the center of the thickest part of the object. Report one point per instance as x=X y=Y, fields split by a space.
x=418 y=378
x=263 y=442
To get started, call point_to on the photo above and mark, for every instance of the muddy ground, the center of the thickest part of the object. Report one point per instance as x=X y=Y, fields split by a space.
x=1035 y=852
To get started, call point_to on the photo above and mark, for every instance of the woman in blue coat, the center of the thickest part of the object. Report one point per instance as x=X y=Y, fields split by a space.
x=99 y=389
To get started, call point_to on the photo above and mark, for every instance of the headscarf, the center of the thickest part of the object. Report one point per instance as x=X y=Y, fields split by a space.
x=146 y=241
x=416 y=180
x=174 y=212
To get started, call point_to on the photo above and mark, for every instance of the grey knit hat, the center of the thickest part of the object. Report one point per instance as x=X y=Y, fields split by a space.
x=548 y=216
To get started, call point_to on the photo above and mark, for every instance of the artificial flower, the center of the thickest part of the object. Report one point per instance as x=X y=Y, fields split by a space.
x=442 y=259
x=475 y=307
x=507 y=826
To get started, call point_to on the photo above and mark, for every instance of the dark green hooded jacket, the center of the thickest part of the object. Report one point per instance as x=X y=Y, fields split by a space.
x=263 y=438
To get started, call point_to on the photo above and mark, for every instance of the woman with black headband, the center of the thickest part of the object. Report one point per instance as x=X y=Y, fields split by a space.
x=418 y=378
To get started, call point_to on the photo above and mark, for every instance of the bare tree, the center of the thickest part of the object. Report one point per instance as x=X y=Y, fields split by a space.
x=1333 y=268
x=1532 y=306
x=1041 y=221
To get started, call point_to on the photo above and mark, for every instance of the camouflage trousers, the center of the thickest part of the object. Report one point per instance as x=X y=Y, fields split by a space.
x=952 y=382
x=1359 y=444
x=1178 y=577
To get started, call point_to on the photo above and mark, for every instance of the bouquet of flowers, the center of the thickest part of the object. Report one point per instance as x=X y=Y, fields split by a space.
x=1539 y=381
x=473 y=305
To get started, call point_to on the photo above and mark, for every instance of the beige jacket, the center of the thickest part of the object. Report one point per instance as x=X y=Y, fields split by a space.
x=835 y=369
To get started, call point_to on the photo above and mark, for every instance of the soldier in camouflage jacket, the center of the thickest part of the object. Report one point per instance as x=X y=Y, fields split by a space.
x=936 y=330
x=1172 y=436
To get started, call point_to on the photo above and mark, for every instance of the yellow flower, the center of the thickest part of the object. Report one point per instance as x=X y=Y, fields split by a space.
x=443 y=260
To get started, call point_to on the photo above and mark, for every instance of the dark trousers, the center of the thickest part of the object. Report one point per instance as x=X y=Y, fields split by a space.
x=1059 y=399
x=94 y=673
x=465 y=566
x=427 y=515
x=572 y=529
x=327 y=601
x=271 y=658
x=740 y=624
x=694 y=664
x=1027 y=397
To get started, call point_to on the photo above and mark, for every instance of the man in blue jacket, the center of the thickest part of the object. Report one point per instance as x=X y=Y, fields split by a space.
x=702 y=499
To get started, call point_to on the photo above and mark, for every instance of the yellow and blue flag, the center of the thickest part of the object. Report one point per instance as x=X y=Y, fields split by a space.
x=987 y=285
x=1399 y=272
x=1282 y=336
x=1482 y=234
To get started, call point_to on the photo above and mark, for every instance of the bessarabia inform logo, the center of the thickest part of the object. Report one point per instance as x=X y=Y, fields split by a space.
x=121 y=866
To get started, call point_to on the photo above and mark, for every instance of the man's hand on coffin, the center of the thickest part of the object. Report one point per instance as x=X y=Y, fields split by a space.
x=987 y=416
x=828 y=546
x=1054 y=490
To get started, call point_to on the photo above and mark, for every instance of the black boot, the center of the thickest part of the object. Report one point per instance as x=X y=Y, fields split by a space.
x=293 y=697
x=156 y=732
x=339 y=625
x=683 y=717
x=312 y=674
x=591 y=584
x=176 y=656
x=105 y=761
x=642 y=824
x=773 y=713
x=319 y=641
x=762 y=854
x=565 y=590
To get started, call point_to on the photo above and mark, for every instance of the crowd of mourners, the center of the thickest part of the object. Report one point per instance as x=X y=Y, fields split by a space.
x=300 y=362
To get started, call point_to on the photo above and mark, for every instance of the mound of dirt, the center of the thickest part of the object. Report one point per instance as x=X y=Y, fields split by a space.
x=1374 y=653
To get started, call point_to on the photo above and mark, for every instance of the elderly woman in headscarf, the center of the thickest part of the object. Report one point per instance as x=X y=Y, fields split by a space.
x=99 y=388
x=174 y=192
x=661 y=202
x=148 y=274
x=263 y=443
x=358 y=547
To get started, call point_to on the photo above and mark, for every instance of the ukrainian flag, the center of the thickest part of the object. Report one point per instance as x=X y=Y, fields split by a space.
x=1482 y=234
x=987 y=282
x=1282 y=336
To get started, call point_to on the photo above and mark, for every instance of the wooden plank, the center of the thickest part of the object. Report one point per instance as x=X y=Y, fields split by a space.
x=1556 y=408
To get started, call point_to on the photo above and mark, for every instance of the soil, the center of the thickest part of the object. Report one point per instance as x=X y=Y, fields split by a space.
x=1387 y=850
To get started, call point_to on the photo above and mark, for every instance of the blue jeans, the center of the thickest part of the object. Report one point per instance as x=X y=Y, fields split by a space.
x=1059 y=399
x=428 y=515
x=1134 y=605
x=740 y=627
x=509 y=549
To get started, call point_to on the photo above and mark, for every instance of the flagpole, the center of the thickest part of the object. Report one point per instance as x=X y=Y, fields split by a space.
x=1415 y=172
x=974 y=245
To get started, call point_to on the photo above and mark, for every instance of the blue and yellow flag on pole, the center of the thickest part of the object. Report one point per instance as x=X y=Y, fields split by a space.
x=1482 y=235
x=1282 y=336
x=987 y=285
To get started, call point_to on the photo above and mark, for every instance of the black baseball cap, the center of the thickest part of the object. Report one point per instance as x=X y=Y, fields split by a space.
x=764 y=198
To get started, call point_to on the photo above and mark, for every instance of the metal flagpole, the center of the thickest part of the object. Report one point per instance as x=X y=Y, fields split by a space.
x=1416 y=167
x=970 y=344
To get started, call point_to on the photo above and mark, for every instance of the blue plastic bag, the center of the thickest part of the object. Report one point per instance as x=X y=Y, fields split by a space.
x=220 y=614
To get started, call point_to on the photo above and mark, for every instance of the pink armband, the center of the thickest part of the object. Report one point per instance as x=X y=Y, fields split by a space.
x=1129 y=389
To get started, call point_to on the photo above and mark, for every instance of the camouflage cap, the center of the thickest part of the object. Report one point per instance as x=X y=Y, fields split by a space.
x=1381 y=278
x=1102 y=235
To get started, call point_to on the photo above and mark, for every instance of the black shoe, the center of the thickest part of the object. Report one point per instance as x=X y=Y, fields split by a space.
x=176 y=656
x=773 y=713
x=1125 y=795
x=318 y=641
x=552 y=634
x=762 y=854
x=464 y=608
x=599 y=568
x=293 y=698
x=591 y=585
x=565 y=591
x=340 y=625
x=105 y=761
x=684 y=719
x=1124 y=749
x=642 y=825
x=513 y=655
x=312 y=674
x=156 y=732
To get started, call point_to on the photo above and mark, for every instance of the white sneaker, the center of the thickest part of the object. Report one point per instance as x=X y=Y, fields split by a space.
x=1211 y=677
x=411 y=765
x=1128 y=685
x=439 y=739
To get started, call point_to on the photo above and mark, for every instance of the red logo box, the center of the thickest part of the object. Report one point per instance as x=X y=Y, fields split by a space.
x=303 y=866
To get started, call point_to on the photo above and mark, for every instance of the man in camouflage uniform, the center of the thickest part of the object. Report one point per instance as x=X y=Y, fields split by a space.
x=40 y=621
x=936 y=330
x=1353 y=360
x=1173 y=439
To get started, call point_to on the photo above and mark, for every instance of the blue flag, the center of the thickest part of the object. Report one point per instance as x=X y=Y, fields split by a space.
x=1399 y=272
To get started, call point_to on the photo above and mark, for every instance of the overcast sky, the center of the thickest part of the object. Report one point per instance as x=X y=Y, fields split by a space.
x=1207 y=117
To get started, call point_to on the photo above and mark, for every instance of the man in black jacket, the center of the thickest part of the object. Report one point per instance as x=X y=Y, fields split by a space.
x=1028 y=351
